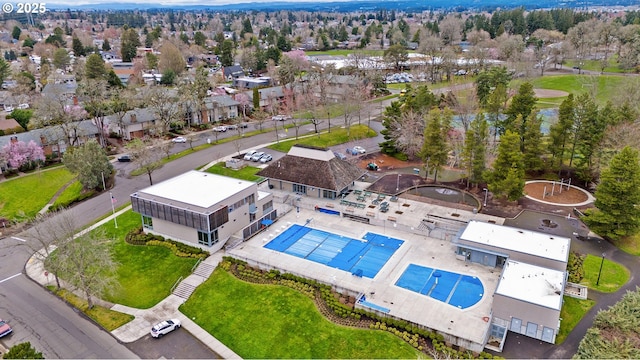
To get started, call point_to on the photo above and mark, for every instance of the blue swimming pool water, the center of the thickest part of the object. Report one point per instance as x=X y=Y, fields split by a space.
x=360 y=257
x=461 y=291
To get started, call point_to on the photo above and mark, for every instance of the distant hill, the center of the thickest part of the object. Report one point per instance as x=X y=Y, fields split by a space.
x=357 y=5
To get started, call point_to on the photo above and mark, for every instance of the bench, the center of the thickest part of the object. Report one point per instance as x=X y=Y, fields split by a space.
x=357 y=192
x=360 y=206
x=371 y=214
x=391 y=218
x=360 y=198
x=367 y=193
x=350 y=210
x=330 y=206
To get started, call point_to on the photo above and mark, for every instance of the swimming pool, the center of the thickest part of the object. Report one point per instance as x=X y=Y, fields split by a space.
x=360 y=257
x=461 y=291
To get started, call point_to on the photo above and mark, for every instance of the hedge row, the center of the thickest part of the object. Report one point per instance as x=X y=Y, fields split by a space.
x=139 y=237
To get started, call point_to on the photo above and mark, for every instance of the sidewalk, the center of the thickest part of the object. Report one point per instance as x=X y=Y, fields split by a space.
x=144 y=318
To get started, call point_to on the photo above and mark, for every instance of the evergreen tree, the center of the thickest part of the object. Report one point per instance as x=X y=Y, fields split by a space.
x=506 y=180
x=199 y=38
x=246 y=26
x=94 y=67
x=113 y=80
x=532 y=143
x=15 y=33
x=474 y=152
x=587 y=142
x=617 y=212
x=23 y=351
x=105 y=45
x=521 y=104
x=5 y=70
x=392 y=115
x=129 y=44
x=226 y=53
x=28 y=42
x=435 y=149
x=495 y=104
x=489 y=80
x=78 y=48
x=560 y=132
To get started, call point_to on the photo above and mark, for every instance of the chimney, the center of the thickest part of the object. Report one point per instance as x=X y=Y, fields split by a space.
x=14 y=139
x=134 y=118
x=75 y=100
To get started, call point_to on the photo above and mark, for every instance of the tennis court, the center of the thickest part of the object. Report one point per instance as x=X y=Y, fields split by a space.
x=362 y=257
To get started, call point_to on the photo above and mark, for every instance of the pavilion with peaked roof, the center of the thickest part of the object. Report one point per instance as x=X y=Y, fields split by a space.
x=312 y=171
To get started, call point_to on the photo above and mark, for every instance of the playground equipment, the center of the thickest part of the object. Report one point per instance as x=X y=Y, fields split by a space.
x=553 y=187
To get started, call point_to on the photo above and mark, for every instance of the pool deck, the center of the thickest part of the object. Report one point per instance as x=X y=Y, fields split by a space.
x=426 y=247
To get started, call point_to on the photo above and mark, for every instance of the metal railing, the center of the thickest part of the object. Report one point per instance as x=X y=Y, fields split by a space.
x=196 y=265
x=176 y=284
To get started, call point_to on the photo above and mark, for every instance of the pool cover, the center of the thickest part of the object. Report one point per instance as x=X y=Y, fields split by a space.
x=360 y=257
x=461 y=291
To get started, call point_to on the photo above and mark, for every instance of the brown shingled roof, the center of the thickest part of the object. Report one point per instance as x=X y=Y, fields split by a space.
x=334 y=174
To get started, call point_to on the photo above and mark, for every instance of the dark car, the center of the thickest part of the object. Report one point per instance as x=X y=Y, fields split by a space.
x=125 y=158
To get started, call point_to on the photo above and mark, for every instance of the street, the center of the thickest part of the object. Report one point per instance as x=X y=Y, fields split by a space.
x=55 y=328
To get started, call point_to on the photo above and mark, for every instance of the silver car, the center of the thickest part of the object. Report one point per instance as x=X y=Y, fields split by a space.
x=256 y=157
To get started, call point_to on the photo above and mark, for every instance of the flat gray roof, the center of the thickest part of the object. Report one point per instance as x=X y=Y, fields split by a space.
x=524 y=241
x=533 y=284
x=198 y=188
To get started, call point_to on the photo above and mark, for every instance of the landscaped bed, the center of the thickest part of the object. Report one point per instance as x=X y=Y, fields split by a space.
x=273 y=315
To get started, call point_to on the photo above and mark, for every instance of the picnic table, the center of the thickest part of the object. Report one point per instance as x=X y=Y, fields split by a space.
x=357 y=192
x=361 y=198
x=367 y=193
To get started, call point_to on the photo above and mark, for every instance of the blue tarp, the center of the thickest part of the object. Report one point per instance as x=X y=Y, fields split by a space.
x=266 y=222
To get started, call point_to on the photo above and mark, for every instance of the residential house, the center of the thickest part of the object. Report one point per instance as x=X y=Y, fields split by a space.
x=313 y=172
x=270 y=98
x=124 y=70
x=219 y=108
x=134 y=124
x=232 y=72
x=251 y=82
x=203 y=209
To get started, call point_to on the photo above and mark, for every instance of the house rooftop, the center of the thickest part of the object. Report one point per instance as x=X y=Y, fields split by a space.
x=533 y=284
x=514 y=239
x=196 y=188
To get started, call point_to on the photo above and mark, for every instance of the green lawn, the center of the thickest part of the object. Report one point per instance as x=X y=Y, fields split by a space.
x=613 y=275
x=145 y=273
x=24 y=196
x=630 y=244
x=246 y=173
x=276 y=322
x=573 y=310
x=108 y=319
x=335 y=137
x=606 y=85
x=595 y=65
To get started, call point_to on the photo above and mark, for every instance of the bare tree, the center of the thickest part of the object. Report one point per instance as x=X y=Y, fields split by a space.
x=408 y=132
x=146 y=156
x=95 y=95
x=49 y=231
x=166 y=147
x=56 y=110
x=165 y=104
x=88 y=265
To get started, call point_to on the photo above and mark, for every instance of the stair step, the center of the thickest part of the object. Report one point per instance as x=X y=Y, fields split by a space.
x=184 y=290
x=204 y=270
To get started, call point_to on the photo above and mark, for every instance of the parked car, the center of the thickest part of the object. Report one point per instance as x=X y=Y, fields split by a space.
x=5 y=329
x=257 y=156
x=249 y=154
x=340 y=156
x=220 y=128
x=125 y=158
x=165 y=327
x=179 y=139
x=359 y=150
x=232 y=127
x=266 y=158
x=243 y=125
x=280 y=117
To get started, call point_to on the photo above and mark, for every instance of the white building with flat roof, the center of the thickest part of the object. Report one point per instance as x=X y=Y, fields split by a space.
x=203 y=209
x=528 y=298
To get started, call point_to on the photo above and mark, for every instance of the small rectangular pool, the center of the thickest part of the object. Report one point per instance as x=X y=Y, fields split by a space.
x=461 y=291
x=360 y=257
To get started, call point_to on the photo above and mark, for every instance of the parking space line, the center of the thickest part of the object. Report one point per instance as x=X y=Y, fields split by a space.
x=10 y=277
x=17 y=238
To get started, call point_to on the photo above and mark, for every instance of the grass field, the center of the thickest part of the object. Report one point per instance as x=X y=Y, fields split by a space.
x=108 y=319
x=344 y=52
x=335 y=137
x=605 y=87
x=630 y=244
x=573 y=310
x=276 y=322
x=246 y=173
x=613 y=275
x=22 y=197
x=145 y=273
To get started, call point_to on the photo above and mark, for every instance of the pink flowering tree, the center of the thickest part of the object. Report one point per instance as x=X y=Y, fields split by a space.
x=22 y=156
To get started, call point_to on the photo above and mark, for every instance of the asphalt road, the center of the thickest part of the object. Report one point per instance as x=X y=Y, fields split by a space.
x=56 y=329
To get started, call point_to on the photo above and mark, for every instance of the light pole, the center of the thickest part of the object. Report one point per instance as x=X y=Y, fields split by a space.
x=486 y=192
x=600 y=272
x=398 y=183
